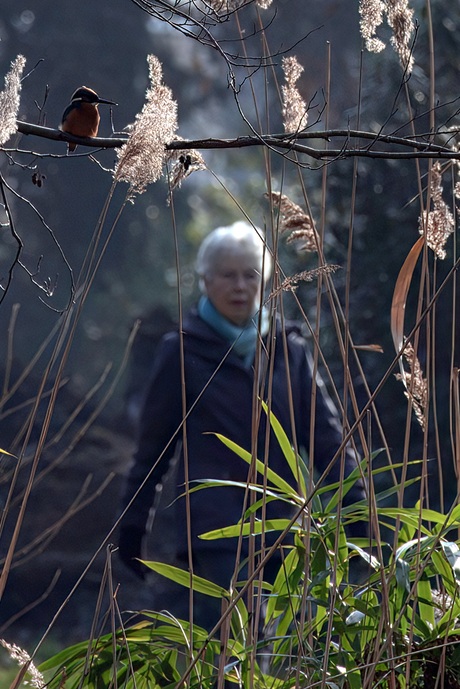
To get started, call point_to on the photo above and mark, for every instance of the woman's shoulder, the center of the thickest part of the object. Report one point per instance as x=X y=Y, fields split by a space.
x=192 y=327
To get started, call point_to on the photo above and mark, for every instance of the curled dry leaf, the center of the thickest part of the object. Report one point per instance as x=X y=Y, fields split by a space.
x=416 y=386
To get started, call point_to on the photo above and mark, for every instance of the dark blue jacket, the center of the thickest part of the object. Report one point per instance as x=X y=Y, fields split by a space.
x=223 y=387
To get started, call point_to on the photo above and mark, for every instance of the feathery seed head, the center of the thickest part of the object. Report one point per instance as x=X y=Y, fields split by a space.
x=9 y=99
x=294 y=109
x=141 y=159
x=295 y=221
x=399 y=18
x=23 y=658
x=226 y=6
x=371 y=12
x=290 y=284
x=440 y=222
x=416 y=385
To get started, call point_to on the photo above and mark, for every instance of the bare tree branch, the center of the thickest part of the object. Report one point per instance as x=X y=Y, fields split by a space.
x=290 y=142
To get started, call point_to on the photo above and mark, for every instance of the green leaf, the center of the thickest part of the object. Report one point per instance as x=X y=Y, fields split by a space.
x=286 y=582
x=247 y=529
x=452 y=553
x=367 y=557
x=426 y=608
x=449 y=619
x=408 y=516
x=65 y=657
x=442 y=568
x=345 y=486
x=339 y=549
x=402 y=574
x=272 y=476
x=382 y=495
x=355 y=617
x=454 y=516
x=286 y=449
x=353 y=674
x=182 y=577
x=423 y=629
x=418 y=544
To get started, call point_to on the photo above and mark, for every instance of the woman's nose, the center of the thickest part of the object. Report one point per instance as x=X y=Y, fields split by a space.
x=240 y=282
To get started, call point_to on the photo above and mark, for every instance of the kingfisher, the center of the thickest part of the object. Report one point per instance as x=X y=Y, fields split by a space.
x=81 y=117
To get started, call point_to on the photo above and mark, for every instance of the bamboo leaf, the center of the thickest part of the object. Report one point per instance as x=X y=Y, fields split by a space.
x=182 y=577
x=425 y=601
x=261 y=468
x=286 y=448
x=402 y=574
x=234 y=530
x=452 y=553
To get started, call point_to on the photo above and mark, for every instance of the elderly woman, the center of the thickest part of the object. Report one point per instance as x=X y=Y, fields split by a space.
x=219 y=345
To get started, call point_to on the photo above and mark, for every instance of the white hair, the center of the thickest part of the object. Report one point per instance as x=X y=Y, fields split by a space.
x=242 y=237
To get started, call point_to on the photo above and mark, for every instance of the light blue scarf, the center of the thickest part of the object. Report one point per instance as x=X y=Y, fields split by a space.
x=244 y=339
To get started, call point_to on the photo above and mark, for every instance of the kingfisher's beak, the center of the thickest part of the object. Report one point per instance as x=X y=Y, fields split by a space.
x=108 y=102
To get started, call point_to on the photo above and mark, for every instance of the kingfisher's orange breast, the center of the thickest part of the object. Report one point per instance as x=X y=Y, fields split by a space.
x=81 y=119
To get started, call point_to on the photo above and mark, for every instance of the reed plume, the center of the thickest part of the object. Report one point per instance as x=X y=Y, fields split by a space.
x=141 y=159
x=9 y=99
x=23 y=658
x=228 y=6
x=399 y=17
x=416 y=385
x=293 y=220
x=294 y=108
x=440 y=222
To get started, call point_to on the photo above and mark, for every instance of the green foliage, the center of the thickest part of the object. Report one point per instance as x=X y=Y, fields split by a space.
x=321 y=624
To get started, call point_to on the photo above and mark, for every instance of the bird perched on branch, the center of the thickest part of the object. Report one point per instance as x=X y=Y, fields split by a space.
x=81 y=117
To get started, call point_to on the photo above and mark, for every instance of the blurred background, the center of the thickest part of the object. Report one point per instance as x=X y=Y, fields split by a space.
x=104 y=46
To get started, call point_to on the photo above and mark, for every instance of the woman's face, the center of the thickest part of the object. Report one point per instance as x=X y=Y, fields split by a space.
x=234 y=286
